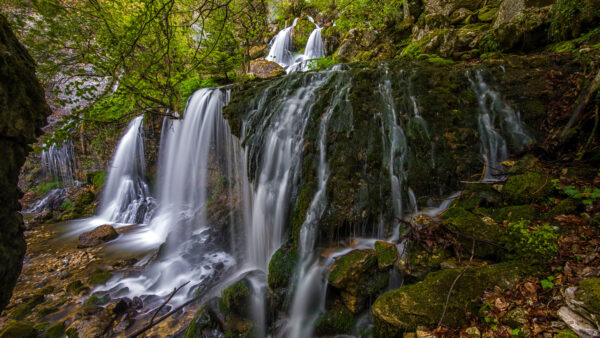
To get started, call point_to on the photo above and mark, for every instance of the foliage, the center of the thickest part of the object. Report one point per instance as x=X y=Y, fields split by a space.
x=189 y=86
x=563 y=15
x=67 y=206
x=587 y=196
x=322 y=63
x=530 y=243
x=44 y=188
x=489 y=43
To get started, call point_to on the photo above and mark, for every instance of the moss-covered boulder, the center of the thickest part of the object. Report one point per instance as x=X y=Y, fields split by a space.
x=349 y=269
x=527 y=188
x=338 y=320
x=515 y=213
x=387 y=254
x=588 y=293
x=16 y=329
x=301 y=33
x=281 y=267
x=404 y=309
x=525 y=164
x=422 y=262
x=566 y=206
x=467 y=227
x=235 y=299
x=55 y=330
x=202 y=325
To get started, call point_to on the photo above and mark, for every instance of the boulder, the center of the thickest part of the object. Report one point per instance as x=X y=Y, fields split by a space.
x=265 y=69
x=406 y=308
x=18 y=329
x=527 y=188
x=387 y=254
x=447 y=7
x=101 y=234
x=467 y=224
x=521 y=23
x=258 y=51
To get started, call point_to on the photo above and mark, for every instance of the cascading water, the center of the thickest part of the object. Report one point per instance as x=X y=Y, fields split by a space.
x=496 y=118
x=198 y=155
x=309 y=297
x=126 y=197
x=59 y=162
x=281 y=49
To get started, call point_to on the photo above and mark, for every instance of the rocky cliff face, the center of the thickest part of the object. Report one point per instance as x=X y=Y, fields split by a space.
x=23 y=113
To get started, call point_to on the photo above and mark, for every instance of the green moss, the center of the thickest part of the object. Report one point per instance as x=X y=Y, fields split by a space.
x=97 y=179
x=566 y=334
x=99 y=277
x=234 y=299
x=95 y=300
x=486 y=14
x=56 y=330
x=72 y=333
x=16 y=329
x=74 y=287
x=422 y=262
x=589 y=293
x=469 y=225
x=298 y=215
x=387 y=254
x=347 y=268
x=527 y=163
x=414 y=305
x=202 y=321
x=27 y=306
x=44 y=188
x=281 y=267
x=334 y=322
x=537 y=245
x=515 y=213
x=527 y=188
x=566 y=206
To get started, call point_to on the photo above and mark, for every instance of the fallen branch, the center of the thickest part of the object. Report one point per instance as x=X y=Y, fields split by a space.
x=150 y=325
x=167 y=301
x=454 y=283
x=584 y=98
x=474 y=239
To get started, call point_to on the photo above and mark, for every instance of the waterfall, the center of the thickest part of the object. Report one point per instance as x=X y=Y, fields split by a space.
x=126 y=197
x=59 y=162
x=496 y=118
x=309 y=296
x=199 y=159
x=281 y=49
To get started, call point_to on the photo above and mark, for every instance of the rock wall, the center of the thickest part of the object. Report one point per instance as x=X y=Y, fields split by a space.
x=23 y=113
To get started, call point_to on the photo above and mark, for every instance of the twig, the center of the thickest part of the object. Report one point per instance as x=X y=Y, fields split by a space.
x=167 y=301
x=454 y=283
x=150 y=325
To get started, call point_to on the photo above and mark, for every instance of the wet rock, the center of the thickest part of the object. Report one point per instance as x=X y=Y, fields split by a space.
x=263 y=68
x=281 y=267
x=19 y=329
x=348 y=269
x=23 y=113
x=94 y=325
x=338 y=320
x=101 y=234
x=203 y=324
x=406 y=308
x=387 y=254
x=235 y=299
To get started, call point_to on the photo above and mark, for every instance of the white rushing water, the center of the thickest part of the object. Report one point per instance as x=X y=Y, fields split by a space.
x=281 y=49
x=309 y=297
x=196 y=151
x=496 y=117
x=59 y=162
x=126 y=197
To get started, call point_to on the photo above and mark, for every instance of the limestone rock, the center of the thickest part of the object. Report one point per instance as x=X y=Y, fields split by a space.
x=23 y=113
x=419 y=304
x=101 y=234
x=265 y=69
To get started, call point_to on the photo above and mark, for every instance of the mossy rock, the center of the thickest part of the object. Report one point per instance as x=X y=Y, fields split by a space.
x=588 y=292
x=421 y=304
x=56 y=330
x=16 y=329
x=235 y=299
x=515 y=213
x=75 y=287
x=99 y=277
x=300 y=33
x=335 y=321
x=466 y=225
x=96 y=299
x=27 y=306
x=566 y=334
x=202 y=324
x=387 y=254
x=281 y=267
x=421 y=262
x=527 y=188
x=564 y=207
x=347 y=270
x=487 y=14
x=525 y=164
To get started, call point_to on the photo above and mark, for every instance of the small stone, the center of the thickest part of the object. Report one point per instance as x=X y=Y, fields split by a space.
x=473 y=332
x=422 y=332
x=101 y=234
x=515 y=318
